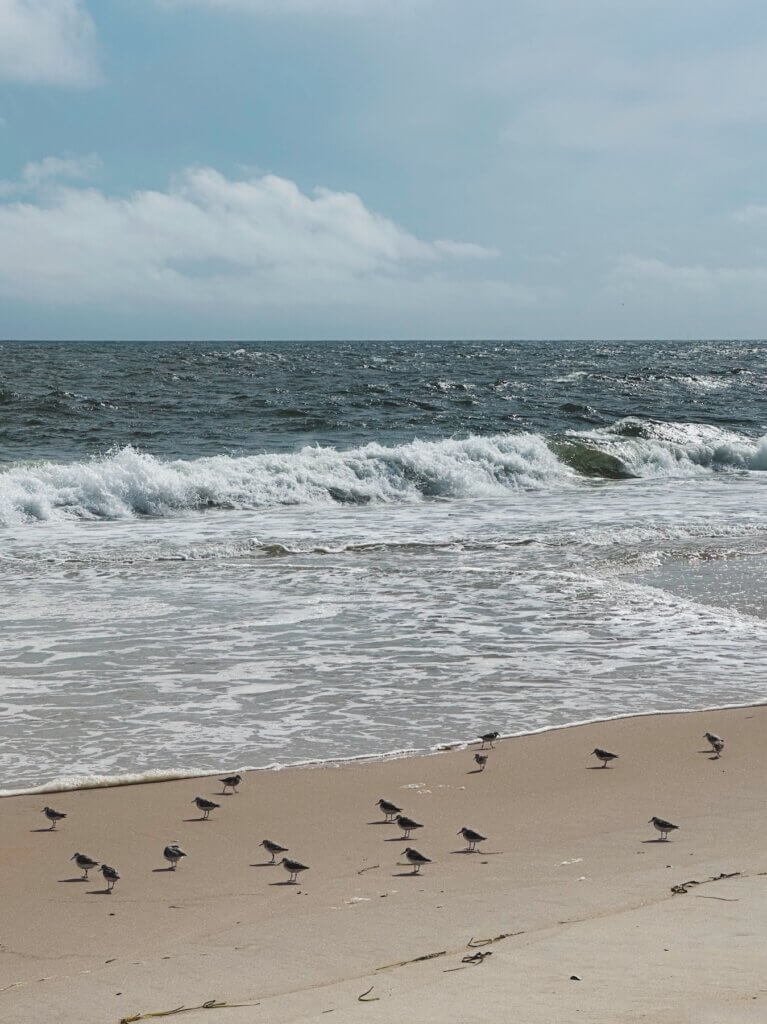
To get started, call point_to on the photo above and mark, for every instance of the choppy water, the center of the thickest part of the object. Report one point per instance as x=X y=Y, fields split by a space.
x=216 y=556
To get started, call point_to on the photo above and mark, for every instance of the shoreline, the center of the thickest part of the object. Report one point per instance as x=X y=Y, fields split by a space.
x=571 y=883
x=77 y=783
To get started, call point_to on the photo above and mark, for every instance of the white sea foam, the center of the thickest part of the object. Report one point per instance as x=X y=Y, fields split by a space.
x=128 y=483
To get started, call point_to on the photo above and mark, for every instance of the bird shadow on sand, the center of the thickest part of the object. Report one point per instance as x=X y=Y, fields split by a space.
x=398 y=839
x=598 y=768
x=195 y=819
x=43 y=830
x=99 y=892
x=476 y=771
x=162 y=871
x=80 y=879
x=284 y=883
x=646 y=841
x=265 y=864
x=382 y=823
x=222 y=793
x=406 y=874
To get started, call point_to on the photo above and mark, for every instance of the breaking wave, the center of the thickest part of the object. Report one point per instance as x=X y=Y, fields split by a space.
x=127 y=483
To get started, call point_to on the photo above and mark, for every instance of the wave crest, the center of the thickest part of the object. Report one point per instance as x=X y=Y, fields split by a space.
x=127 y=483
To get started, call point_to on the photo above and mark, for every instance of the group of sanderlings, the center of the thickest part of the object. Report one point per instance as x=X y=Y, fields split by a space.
x=173 y=852
x=660 y=824
x=392 y=815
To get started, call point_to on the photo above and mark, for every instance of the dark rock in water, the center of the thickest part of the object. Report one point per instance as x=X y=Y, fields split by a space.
x=590 y=461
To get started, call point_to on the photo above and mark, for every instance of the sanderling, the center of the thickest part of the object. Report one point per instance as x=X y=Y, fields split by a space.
x=481 y=760
x=488 y=739
x=293 y=868
x=110 y=876
x=84 y=863
x=206 y=806
x=173 y=855
x=604 y=756
x=53 y=816
x=231 y=782
x=717 y=743
x=389 y=809
x=273 y=848
x=407 y=825
x=416 y=859
x=664 y=827
x=472 y=838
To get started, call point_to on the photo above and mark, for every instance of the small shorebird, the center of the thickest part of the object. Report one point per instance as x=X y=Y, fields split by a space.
x=481 y=760
x=110 y=876
x=53 y=816
x=231 y=782
x=389 y=809
x=717 y=743
x=488 y=739
x=293 y=868
x=407 y=825
x=84 y=863
x=664 y=827
x=416 y=859
x=273 y=848
x=206 y=806
x=173 y=855
x=472 y=838
x=604 y=756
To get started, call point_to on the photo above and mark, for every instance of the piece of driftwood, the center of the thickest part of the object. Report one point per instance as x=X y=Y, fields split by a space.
x=415 y=960
x=211 y=1004
x=476 y=958
x=682 y=887
x=475 y=943
x=371 y=868
x=366 y=996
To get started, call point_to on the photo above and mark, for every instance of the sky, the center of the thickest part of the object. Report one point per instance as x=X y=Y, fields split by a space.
x=359 y=169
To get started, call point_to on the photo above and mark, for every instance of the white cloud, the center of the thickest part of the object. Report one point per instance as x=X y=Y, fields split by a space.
x=50 y=42
x=213 y=243
x=587 y=90
x=636 y=273
x=337 y=7
x=51 y=168
x=752 y=214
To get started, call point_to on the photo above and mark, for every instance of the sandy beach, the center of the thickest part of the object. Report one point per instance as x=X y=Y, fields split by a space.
x=571 y=876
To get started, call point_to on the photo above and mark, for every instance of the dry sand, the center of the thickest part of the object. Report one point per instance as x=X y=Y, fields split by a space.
x=570 y=869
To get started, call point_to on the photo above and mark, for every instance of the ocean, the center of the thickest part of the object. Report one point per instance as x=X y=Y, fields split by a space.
x=217 y=555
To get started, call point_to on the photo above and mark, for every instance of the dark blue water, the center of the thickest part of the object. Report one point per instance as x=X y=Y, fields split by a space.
x=66 y=401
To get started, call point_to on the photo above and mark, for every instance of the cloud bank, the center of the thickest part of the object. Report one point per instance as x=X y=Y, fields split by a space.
x=217 y=244
x=47 y=42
